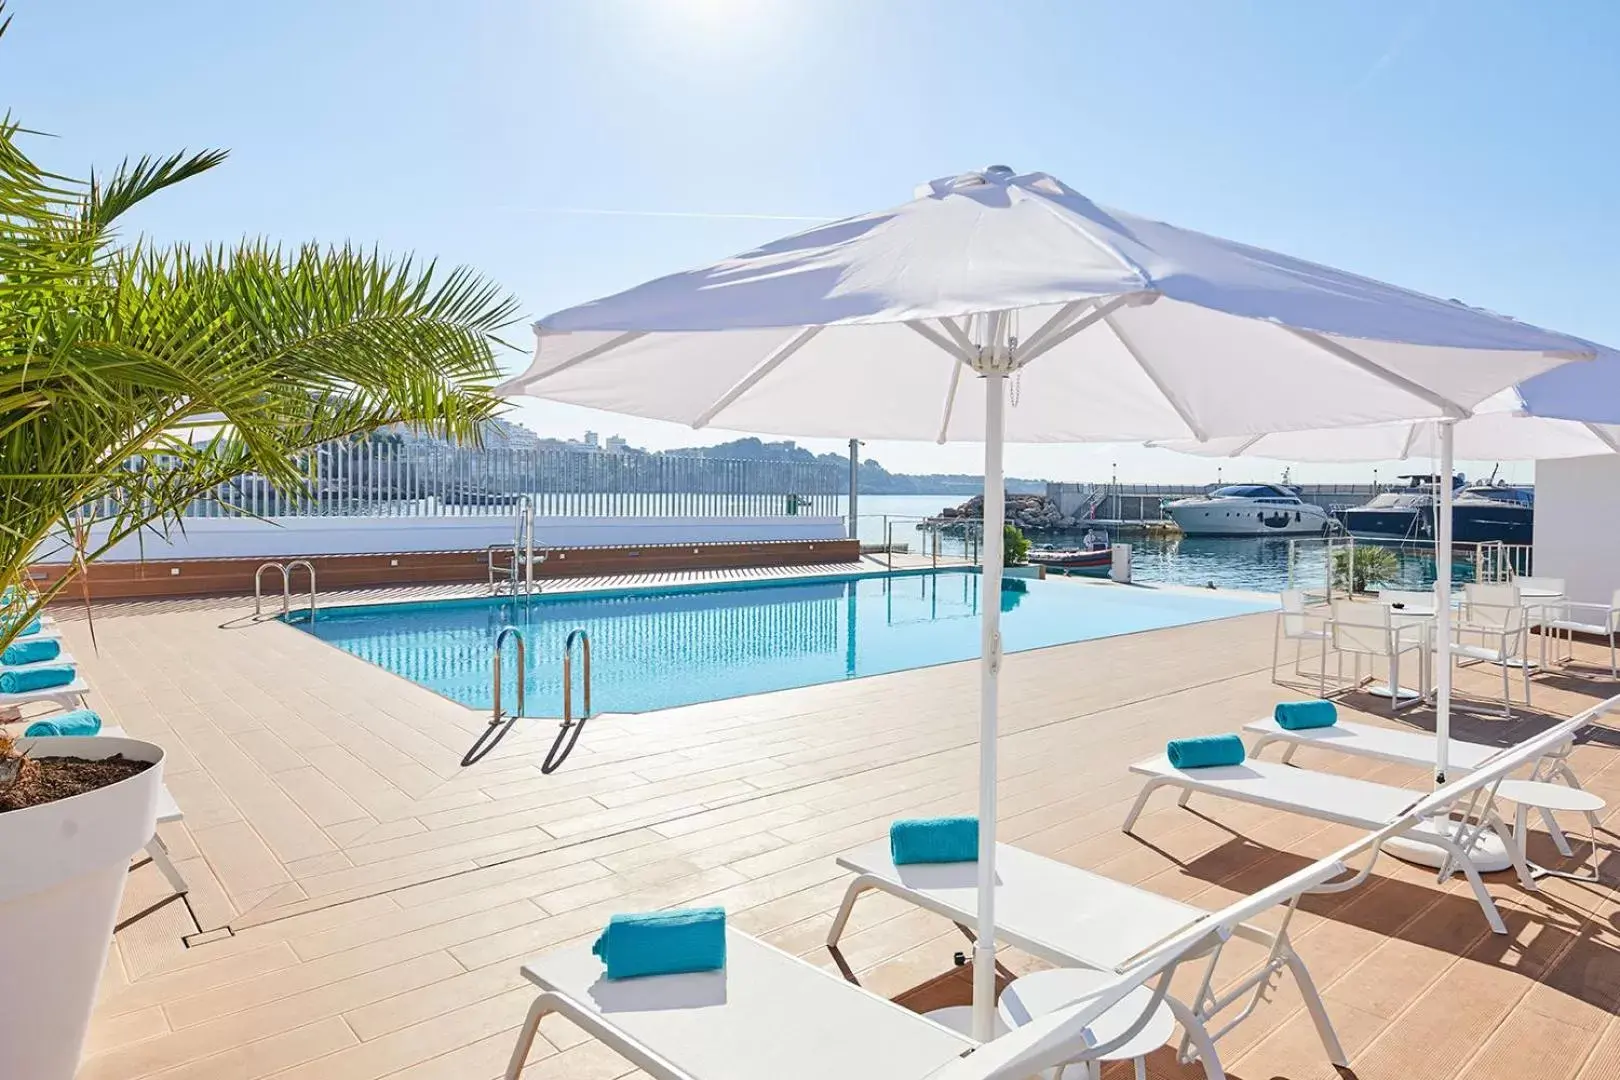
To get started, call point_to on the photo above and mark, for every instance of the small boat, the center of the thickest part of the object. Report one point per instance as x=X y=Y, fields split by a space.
x=1072 y=559
x=1096 y=558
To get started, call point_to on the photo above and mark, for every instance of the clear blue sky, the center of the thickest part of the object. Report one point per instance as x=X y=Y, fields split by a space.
x=1463 y=147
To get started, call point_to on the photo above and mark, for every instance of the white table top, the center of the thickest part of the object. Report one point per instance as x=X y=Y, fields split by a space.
x=1035 y=995
x=1546 y=796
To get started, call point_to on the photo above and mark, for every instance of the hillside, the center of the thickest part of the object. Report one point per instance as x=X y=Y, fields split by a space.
x=874 y=478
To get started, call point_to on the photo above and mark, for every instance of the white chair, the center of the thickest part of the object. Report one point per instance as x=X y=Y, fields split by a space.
x=1599 y=620
x=1372 y=630
x=1490 y=629
x=1296 y=622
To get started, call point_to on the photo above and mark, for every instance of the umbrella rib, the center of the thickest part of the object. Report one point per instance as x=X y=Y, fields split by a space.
x=1096 y=315
x=589 y=354
x=1412 y=433
x=1153 y=376
x=959 y=352
x=757 y=372
x=1065 y=314
x=950 y=402
x=1355 y=359
x=1602 y=436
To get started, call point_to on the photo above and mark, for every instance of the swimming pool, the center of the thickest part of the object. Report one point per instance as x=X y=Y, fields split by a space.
x=657 y=648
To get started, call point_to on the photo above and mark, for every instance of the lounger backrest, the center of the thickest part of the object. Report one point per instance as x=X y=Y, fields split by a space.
x=1062 y=1035
x=1510 y=759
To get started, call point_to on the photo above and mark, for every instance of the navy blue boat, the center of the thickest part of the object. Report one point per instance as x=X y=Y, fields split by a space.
x=1484 y=512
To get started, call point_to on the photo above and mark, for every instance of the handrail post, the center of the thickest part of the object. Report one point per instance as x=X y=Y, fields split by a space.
x=309 y=568
x=258 y=577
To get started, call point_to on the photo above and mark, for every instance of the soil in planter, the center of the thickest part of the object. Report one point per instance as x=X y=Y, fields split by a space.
x=45 y=780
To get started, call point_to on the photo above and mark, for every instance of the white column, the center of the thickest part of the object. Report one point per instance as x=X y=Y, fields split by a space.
x=1442 y=614
x=984 y=948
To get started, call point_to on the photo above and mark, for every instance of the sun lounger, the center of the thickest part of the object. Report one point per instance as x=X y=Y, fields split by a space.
x=770 y=1015
x=68 y=695
x=1075 y=918
x=1369 y=805
x=1416 y=748
x=168 y=811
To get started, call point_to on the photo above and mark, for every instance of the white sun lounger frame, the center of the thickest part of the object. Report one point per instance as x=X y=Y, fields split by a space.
x=664 y=1029
x=1417 y=748
x=1041 y=909
x=1456 y=815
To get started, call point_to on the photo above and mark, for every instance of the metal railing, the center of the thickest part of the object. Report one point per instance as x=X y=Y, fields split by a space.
x=389 y=475
x=286 y=571
x=499 y=722
x=568 y=733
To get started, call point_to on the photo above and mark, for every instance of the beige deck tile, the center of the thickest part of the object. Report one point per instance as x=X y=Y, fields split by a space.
x=315 y=760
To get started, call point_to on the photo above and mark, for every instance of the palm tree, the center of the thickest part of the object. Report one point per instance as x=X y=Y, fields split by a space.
x=136 y=379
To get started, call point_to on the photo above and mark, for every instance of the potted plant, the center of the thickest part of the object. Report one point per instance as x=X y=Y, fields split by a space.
x=73 y=811
x=135 y=380
x=1363 y=566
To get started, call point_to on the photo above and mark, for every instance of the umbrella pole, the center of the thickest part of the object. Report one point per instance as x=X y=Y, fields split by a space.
x=984 y=946
x=1442 y=609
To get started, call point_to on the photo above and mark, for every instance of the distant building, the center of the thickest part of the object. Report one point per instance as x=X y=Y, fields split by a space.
x=591 y=441
x=617 y=444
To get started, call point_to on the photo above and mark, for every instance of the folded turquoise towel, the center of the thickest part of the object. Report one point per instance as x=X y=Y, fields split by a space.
x=663 y=943
x=31 y=652
x=77 y=722
x=1205 y=751
x=31 y=628
x=1300 y=715
x=37 y=677
x=934 y=840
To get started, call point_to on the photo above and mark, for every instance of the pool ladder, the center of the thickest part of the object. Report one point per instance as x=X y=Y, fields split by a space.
x=286 y=570
x=500 y=722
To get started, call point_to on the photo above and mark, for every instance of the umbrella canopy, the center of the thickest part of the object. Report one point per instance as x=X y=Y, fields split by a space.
x=923 y=321
x=1501 y=429
x=1127 y=329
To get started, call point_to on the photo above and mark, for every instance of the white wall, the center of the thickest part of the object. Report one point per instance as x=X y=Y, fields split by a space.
x=225 y=538
x=1578 y=525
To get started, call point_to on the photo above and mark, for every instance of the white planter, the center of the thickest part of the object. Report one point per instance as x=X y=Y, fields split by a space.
x=62 y=871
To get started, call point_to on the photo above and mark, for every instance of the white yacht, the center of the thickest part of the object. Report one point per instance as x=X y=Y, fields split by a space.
x=1248 y=510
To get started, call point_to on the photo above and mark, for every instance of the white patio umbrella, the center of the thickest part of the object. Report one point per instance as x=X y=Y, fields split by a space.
x=1503 y=428
x=924 y=321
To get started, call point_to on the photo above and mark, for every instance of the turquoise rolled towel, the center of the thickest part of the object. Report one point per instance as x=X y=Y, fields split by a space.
x=1302 y=715
x=663 y=943
x=934 y=840
x=31 y=652
x=77 y=722
x=31 y=628
x=1205 y=751
x=36 y=677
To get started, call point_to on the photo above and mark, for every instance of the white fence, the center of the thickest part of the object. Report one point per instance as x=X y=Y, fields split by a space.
x=232 y=538
x=386 y=476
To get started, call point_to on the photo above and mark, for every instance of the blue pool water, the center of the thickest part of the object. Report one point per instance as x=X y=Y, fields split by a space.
x=652 y=649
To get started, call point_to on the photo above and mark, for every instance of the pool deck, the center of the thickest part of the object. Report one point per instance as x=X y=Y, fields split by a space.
x=360 y=904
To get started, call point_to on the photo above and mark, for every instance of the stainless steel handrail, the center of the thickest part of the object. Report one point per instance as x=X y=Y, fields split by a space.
x=499 y=722
x=258 y=582
x=309 y=568
x=568 y=734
